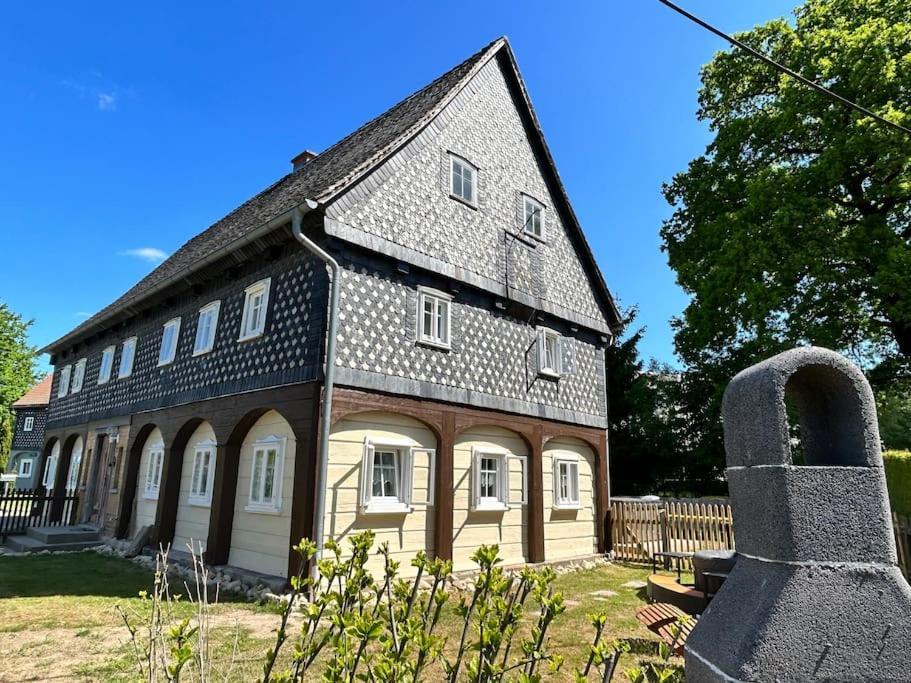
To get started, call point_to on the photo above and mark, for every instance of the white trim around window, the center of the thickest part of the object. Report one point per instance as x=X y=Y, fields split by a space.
x=107 y=364
x=153 y=471
x=388 y=476
x=78 y=376
x=25 y=467
x=256 y=306
x=63 y=386
x=489 y=481
x=533 y=217
x=206 y=327
x=266 y=472
x=28 y=424
x=202 y=476
x=463 y=180
x=434 y=316
x=548 y=352
x=127 y=356
x=566 y=482
x=170 y=334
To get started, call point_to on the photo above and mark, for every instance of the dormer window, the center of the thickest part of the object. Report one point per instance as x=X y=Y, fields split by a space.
x=256 y=302
x=533 y=223
x=64 y=384
x=107 y=364
x=463 y=180
x=29 y=424
x=169 y=336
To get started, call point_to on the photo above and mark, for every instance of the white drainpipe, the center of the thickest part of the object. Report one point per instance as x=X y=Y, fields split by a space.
x=329 y=379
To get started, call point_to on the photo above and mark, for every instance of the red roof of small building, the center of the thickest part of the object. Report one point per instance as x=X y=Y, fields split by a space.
x=38 y=395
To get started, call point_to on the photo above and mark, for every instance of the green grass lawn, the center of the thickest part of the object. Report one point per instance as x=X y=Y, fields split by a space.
x=58 y=619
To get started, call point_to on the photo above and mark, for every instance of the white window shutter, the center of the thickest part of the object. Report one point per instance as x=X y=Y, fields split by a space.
x=541 y=349
x=424 y=457
x=475 y=479
x=407 y=475
x=520 y=462
x=366 y=474
x=556 y=484
x=567 y=355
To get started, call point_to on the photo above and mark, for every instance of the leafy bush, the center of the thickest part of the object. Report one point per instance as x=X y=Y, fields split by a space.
x=898 y=479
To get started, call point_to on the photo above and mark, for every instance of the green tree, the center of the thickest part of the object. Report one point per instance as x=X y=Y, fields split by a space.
x=794 y=226
x=17 y=371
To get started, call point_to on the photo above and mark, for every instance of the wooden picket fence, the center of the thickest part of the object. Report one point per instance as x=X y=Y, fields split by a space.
x=641 y=528
x=24 y=508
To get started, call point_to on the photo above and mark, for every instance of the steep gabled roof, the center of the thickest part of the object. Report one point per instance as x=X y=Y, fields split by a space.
x=325 y=177
x=38 y=396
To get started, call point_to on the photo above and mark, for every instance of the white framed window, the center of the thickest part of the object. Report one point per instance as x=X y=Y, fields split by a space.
x=203 y=473
x=498 y=478
x=170 y=334
x=64 y=384
x=548 y=352
x=532 y=217
x=153 y=471
x=566 y=482
x=25 y=467
x=395 y=477
x=266 y=475
x=107 y=364
x=463 y=180
x=205 y=328
x=127 y=354
x=78 y=376
x=256 y=303
x=434 y=318
x=72 y=476
x=28 y=424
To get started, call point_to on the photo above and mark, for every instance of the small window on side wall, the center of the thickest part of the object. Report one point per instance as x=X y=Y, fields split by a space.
x=78 y=376
x=497 y=480
x=127 y=354
x=394 y=477
x=266 y=475
x=63 y=385
x=203 y=473
x=533 y=217
x=25 y=467
x=153 y=472
x=462 y=180
x=556 y=354
x=107 y=364
x=170 y=334
x=205 y=328
x=29 y=424
x=434 y=312
x=566 y=483
x=256 y=303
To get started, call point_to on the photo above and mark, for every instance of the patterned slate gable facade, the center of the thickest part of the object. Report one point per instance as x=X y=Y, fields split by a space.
x=30 y=413
x=472 y=326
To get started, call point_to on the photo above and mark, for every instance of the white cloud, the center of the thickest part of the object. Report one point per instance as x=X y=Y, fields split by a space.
x=107 y=101
x=150 y=254
x=82 y=314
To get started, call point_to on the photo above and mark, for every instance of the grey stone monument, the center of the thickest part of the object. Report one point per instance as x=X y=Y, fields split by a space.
x=816 y=593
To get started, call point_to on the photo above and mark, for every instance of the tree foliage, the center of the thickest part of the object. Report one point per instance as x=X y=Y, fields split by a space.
x=17 y=371
x=794 y=226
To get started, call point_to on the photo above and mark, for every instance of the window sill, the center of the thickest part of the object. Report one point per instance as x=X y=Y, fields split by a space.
x=203 y=352
x=490 y=507
x=150 y=496
x=263 y=509
x=250 y=337
x=164 y=363
x=386 y=508
x=463 y=201
x=434 y=344
x=200 y=502
x=540 y=239
x=549 y=374
x=568 y=506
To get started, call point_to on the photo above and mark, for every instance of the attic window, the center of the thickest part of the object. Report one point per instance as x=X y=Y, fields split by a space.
x=533 y=217
x=29 y=424
x=256 y=303
x=64 y=385
x=462 y=180
x=169 y=336
x=107 y=364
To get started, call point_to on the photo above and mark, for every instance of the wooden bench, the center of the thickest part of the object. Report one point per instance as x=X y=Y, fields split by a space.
x=666 y=589
x=670 y=623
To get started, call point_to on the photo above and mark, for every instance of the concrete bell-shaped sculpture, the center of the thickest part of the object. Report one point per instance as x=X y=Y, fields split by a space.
x=816 y=593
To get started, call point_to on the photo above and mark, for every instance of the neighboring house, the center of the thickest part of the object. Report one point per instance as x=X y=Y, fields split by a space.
x=470 y=402
x=28 y=436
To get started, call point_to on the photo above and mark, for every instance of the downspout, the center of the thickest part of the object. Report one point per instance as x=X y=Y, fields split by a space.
x=322 y=456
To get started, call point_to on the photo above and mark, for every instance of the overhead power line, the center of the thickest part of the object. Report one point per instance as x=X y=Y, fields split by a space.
x=781 y=67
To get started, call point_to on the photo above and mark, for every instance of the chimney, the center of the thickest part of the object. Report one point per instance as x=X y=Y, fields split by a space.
x=302 y=159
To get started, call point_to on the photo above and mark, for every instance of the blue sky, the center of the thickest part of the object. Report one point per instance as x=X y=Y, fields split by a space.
x=126 y=128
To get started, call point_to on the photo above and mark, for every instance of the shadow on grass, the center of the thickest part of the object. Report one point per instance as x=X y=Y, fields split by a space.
x=85 y=573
